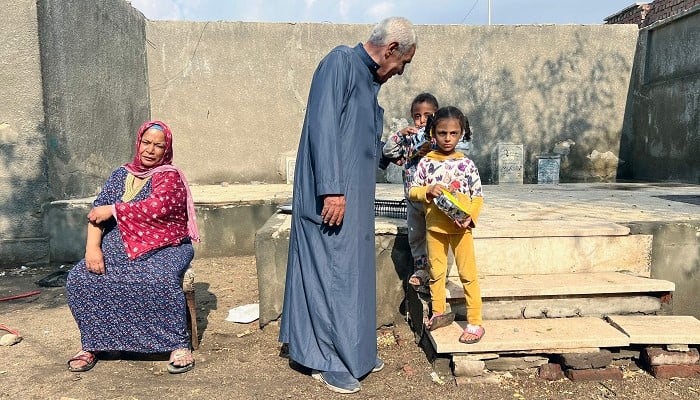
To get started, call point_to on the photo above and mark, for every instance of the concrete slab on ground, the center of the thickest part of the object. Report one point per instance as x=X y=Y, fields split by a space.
x=529 y=285
x=531 y=334
x=658 y=329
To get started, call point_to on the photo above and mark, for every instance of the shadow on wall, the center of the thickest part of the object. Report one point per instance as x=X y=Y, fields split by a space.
x=21 y=209
x=570 y=97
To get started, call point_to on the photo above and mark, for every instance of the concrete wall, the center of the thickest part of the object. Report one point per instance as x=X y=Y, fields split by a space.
x=662 y=135
x=95 y=90
x=676 y=258
x=235 y=93
x=23 y=179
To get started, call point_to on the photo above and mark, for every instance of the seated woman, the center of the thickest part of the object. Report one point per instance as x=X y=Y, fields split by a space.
x=126 y=295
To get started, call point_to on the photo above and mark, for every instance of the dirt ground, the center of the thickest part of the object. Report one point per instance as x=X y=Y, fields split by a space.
x=241 y=361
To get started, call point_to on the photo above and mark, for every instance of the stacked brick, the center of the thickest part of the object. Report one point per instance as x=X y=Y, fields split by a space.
x=645 y=14
x=680 y=362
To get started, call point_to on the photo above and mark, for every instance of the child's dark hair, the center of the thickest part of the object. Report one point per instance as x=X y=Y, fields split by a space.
x=450 y=112
x=425 y=98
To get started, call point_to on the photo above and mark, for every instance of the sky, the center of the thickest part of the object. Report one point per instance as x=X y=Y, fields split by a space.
x=420 y=12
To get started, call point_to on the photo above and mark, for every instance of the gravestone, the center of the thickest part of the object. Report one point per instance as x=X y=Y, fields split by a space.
x=548 y=166
x=507 y=160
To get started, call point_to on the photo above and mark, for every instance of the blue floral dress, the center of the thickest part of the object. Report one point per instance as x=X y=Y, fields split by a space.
x=137 y=305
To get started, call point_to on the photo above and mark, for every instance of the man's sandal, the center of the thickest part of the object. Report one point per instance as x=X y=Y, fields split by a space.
x=440 y=321
x=179 y=355
x=85 y=356
x=472 y=334
x=419 y=280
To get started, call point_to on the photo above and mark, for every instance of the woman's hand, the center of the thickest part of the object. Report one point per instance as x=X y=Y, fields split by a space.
x=100 y=214
x=433 y=191
x=333 y=209
x=94 y=260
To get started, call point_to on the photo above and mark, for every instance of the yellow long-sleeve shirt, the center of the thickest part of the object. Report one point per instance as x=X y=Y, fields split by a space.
x=460 y=175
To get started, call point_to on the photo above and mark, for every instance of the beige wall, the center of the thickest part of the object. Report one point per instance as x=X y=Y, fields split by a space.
x=235 y=93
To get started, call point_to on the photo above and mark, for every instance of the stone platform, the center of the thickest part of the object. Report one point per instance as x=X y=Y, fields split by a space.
x=623 y=223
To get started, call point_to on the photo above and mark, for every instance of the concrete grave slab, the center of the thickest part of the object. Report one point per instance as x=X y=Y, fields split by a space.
x=658 y=329
x=531 y=334
x=561 y=284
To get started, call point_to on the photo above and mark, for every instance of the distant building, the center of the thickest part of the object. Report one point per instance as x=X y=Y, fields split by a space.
x=646 y=13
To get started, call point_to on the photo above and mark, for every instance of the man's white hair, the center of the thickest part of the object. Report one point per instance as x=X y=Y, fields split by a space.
x=394 y=29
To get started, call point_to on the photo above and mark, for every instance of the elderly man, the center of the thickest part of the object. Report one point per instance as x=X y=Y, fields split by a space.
x=329 y=313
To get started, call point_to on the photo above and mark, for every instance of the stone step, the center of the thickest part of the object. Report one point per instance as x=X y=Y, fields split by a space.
x=593 y=294
x=561 y=254
x=489 y=228
x=658 y=329
x=564 y=284
x=562 y=335
x=554 y=335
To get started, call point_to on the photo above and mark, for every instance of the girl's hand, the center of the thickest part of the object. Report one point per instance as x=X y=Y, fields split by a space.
x=464 y=223
x=408 y=131
x=100 y=214
x=94 y=260
x=433 y=191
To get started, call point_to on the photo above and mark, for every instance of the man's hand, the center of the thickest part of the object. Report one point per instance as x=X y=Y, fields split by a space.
x=333 y=209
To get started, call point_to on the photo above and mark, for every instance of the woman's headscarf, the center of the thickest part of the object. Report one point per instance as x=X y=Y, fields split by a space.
x=136 y=168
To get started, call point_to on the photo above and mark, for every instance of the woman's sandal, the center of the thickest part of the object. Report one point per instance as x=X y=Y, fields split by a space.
x=476 y=332
x=440 y=321
x=85 y=356
x=179 y=355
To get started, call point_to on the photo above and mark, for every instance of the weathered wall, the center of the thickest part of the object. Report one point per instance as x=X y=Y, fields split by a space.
x=662 y=133
x=95 y=90
x=23 y=181
x=235 y=93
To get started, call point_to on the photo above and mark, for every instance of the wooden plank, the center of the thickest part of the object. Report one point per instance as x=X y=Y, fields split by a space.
x=589 y=283
x=658 y=329
x=531 y=334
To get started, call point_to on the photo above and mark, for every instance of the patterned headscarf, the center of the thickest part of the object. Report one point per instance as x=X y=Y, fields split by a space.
x=136 y=168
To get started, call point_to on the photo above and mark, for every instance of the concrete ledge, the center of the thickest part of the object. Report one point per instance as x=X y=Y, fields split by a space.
x=271 y=247
x=529 y=285
x=227 y=217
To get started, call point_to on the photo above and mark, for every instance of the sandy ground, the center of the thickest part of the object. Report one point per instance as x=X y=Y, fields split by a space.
x=241 y=361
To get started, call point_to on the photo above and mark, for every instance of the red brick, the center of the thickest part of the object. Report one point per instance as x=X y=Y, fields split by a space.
x=655 y=356
x=550 y=372
x=675 y=371
x=598 y=374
